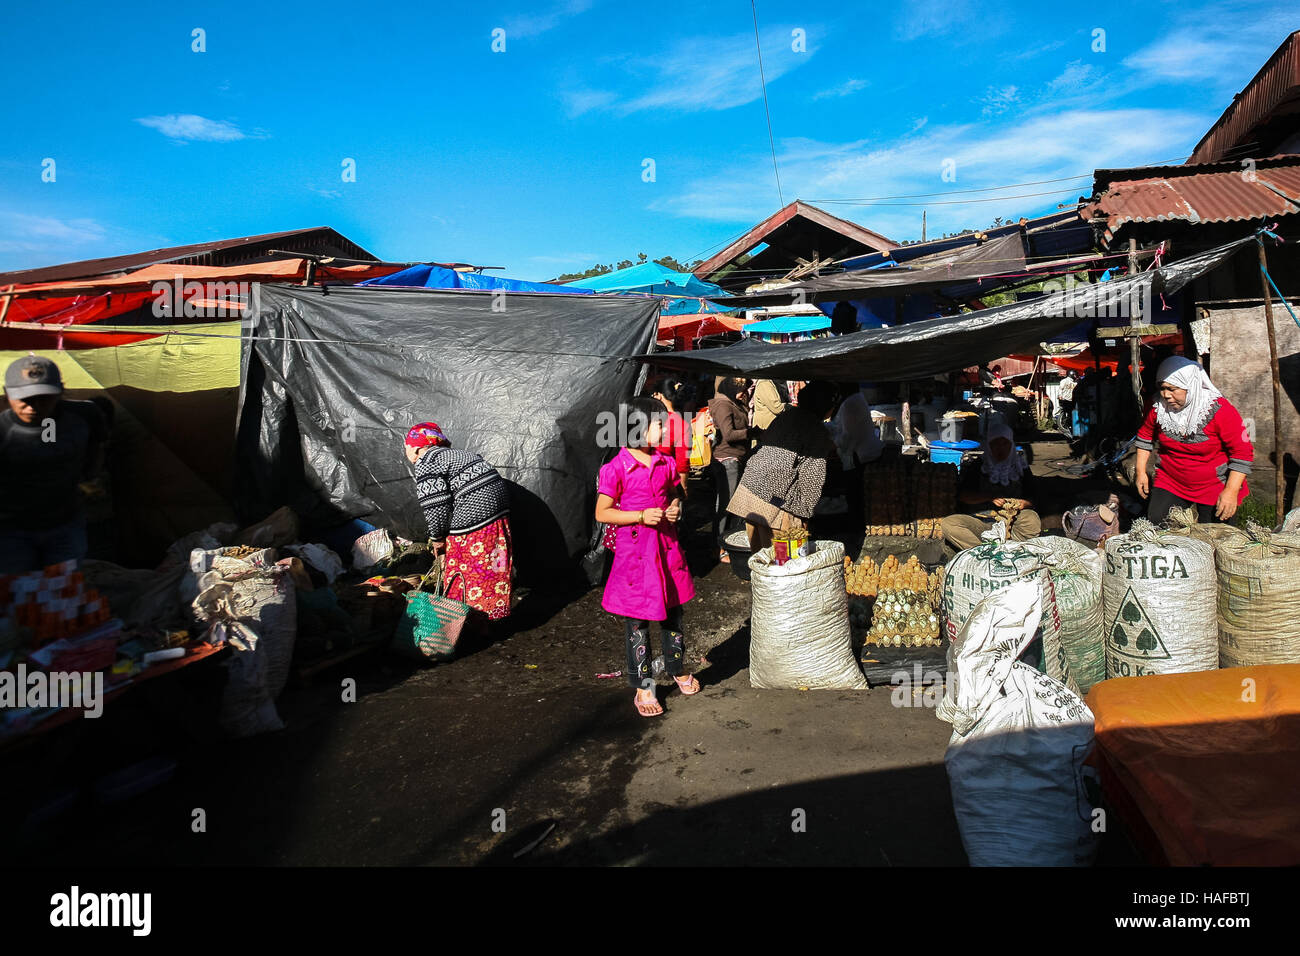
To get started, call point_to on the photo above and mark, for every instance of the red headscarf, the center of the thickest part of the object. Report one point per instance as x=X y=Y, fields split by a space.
x=426 y=433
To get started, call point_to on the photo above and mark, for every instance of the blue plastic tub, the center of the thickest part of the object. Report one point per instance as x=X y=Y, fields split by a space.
x=946 y=456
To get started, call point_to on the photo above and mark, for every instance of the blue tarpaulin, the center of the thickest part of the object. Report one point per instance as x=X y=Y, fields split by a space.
x=436 y=277
x=651 y=278
x=788 y=325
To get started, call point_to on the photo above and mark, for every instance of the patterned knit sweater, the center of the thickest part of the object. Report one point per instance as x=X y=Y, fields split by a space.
x=458 y=491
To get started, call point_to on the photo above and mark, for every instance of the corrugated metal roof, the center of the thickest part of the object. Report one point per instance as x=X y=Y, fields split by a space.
x=319 y=240
x=1277 y=83
x=1232 y=194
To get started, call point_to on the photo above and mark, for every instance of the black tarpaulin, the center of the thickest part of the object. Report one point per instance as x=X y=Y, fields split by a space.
x=989 y=261
x=934 y=346
x=333 y=381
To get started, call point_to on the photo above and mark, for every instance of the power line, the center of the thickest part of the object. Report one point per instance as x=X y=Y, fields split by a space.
x=768 y=113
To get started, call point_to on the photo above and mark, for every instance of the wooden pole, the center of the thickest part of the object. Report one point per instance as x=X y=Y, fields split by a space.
x=1135 y=341
x=4 y=306
x=1280 y=478
x=906 y=415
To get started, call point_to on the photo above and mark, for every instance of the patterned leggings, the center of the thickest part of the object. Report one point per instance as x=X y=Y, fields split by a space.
x=638 y=648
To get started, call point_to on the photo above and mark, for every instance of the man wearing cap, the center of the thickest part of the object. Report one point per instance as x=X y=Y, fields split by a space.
x=48 y=446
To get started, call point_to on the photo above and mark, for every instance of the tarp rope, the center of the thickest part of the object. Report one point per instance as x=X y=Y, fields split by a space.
x=1264 y=269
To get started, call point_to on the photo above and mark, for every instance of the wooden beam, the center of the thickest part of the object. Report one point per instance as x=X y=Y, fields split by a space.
x=1129 y=331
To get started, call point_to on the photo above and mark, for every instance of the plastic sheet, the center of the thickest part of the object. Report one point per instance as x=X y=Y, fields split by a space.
x=333 y=381
x=1210 y=762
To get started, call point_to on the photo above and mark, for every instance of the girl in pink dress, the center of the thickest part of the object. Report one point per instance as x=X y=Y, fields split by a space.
x=640 y=496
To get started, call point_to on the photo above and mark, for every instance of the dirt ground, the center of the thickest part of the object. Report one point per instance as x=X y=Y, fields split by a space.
x=470 y=762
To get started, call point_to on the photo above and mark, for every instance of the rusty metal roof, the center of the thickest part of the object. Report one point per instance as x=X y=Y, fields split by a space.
x=320 y=240
x=1262 y=114
x=795 y=230
x=1223 y=192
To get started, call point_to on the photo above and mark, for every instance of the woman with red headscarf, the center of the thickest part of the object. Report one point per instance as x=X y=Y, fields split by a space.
x=467 y=508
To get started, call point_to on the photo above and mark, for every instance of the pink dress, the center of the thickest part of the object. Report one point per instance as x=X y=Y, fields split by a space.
x=649 y=574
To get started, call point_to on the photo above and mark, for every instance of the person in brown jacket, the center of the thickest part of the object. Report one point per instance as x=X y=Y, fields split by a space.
x=731 y=425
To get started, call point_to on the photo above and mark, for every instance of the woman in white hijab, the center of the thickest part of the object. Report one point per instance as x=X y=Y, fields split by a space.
x=1205 y=455
x=1000 y=479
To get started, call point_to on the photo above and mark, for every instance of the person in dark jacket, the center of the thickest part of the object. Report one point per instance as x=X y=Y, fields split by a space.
x=49 y=446
x=731 y=428
x=467 y=508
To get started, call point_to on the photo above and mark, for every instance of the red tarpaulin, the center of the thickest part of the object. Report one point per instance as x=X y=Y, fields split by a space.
x=80 y=302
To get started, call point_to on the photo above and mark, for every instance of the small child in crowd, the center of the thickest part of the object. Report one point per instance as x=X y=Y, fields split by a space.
x=640 y=495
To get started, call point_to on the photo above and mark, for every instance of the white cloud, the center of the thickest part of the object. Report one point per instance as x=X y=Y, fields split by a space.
x=999 y=99
x=535 y=24
x=695 y=74
x=844 y=89
x=922 y=18
x=1223 y=45
x=188 y=126
x=327 y=193
x=1049 y=146
x=40 y=240
x=1077 y=77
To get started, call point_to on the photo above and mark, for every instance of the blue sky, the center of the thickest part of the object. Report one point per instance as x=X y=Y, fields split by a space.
x=533 y=158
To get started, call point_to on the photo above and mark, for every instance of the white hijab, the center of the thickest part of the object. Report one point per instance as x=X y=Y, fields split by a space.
x=1010 y=468
x=1201 y=396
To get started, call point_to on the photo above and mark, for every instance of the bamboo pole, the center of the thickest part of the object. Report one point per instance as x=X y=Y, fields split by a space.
x=1280 y=478
x=1135 y=341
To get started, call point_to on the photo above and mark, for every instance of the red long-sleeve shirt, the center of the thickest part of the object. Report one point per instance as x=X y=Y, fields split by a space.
x=1196 y=469
x=676 y=443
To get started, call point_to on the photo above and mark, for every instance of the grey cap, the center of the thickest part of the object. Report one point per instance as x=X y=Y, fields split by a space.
x=31 y=376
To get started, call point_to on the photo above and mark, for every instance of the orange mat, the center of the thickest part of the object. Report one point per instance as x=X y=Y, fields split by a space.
x=1211 y=762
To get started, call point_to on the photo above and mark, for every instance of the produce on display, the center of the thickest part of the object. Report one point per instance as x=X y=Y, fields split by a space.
x=906 y=497
x=799 y=624
x=1160 y=594
x=905 y=610
x=1259 y=597
x=1016 y=761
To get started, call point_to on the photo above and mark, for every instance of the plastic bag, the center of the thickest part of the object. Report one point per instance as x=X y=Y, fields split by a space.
x=253 y=608
x=799 y=626
x=1015 y=761
x=276 y=530
x=371 y=548
x=319 y=557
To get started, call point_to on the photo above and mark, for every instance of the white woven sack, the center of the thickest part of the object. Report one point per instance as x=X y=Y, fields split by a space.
x=1159 y=593
x=799 y=625
x=1076 y=576
x=1016 y=760
x=974 y=574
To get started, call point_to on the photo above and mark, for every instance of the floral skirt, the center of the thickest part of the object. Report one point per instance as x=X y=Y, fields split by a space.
x=479 y=567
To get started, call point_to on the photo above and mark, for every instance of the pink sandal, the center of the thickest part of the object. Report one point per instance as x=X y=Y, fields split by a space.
x=691 y=682
x=643 y=704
